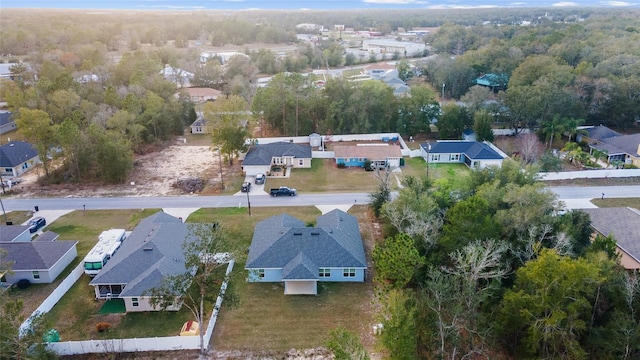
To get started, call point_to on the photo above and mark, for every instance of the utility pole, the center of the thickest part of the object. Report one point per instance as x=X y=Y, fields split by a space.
x=248 y=202
x=220 y=163
x=442 y=91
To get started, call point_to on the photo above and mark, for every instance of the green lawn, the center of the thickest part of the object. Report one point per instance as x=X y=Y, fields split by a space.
x=15 y=217
x=324 y=175
x=266 y=319
x=613 y=202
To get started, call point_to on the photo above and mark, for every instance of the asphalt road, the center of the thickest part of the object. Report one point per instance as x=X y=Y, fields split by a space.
x=592 y=192
x=96 y=203
x=183 y=202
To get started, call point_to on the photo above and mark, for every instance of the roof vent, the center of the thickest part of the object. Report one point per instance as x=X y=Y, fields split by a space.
x=148 y=248
x=315 y=233
x=297 y=233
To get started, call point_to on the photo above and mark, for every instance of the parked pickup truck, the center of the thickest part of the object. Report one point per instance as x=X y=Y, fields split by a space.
x=283 y=191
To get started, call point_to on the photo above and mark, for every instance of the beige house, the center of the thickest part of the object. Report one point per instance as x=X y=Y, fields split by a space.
x=623 y=223
x=198 y=95
x=380 y=155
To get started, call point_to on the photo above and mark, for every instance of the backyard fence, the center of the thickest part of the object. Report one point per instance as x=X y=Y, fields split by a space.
x=113 y=346
x=54 y=297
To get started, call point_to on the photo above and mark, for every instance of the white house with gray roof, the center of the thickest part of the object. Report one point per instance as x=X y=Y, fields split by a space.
x=474 y=154
x=152 y=251
x=39 y=262
x=284 y=250
x=261 y=157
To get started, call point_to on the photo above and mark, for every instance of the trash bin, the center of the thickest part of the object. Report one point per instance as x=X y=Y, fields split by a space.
x=51 y=335
x=37 y=208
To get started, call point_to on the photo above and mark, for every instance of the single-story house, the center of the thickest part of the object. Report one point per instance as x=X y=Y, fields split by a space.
x=7 y=122
x=623 y=223
x=10 y=233
x=595 y=134
x=177 y=76
x=380 y=155
x=198 y=95
x=152 y=251
x=284 y=249
x=17 y=157
x=201 y=125
x=39 y=262
x=624 y=148
x=260 y=158
x=495 y=82
x=475 y=154
x=390 y=46
x=224 y=57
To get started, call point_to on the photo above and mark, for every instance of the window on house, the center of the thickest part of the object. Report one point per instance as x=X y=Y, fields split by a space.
x=300 y=162
x=36 y=274
x=454 y=157
x=324 y=272
x=349 y=272
x=435 y=157
x=260 y=273
x=135 y=302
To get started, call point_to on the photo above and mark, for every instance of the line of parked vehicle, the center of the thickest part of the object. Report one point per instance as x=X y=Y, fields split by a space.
x=275 y=192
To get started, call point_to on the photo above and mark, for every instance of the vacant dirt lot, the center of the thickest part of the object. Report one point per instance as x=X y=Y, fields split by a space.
x=154 y=174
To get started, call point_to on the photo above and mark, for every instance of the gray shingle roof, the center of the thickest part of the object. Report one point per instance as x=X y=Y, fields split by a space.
x=262 y=154
x=472 y=149
x=621 y=222
x=601 y=132
x=5 y=118
x=47 y=236
x=284 y=242
x=16 y=152
x=300 y=268
x=625 y=144
x=38 y=255
x=152 y=251
x=11 y=232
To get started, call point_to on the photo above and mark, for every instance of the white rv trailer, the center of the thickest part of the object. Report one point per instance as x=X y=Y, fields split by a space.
x=108 y=243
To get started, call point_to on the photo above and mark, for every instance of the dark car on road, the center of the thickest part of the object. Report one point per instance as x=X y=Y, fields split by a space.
x=260 y=179
x=36 y=224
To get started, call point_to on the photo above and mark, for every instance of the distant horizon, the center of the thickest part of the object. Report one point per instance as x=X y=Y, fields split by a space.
x=308 y=5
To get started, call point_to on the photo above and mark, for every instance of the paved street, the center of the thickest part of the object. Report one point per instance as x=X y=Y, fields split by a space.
x=569 y=194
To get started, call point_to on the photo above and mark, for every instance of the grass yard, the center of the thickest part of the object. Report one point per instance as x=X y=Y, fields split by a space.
x=77 y=313
x=15 y=217
x=266 y=319
x=324 y=175
x=614 y=202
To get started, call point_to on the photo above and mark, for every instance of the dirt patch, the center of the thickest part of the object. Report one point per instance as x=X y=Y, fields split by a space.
x=170 y=171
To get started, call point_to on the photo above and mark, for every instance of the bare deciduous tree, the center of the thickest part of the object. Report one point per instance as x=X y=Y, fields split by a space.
x=529 y=147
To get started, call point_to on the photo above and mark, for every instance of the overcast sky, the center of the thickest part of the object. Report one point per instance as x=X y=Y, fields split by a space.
x=305 y=4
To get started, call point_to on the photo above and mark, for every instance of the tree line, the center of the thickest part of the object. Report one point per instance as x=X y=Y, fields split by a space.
x=96 y=124
x=484 y=266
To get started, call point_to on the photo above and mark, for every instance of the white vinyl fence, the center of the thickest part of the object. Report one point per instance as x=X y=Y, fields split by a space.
x=113 y=346
x=590 y=174
x=54 y=297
